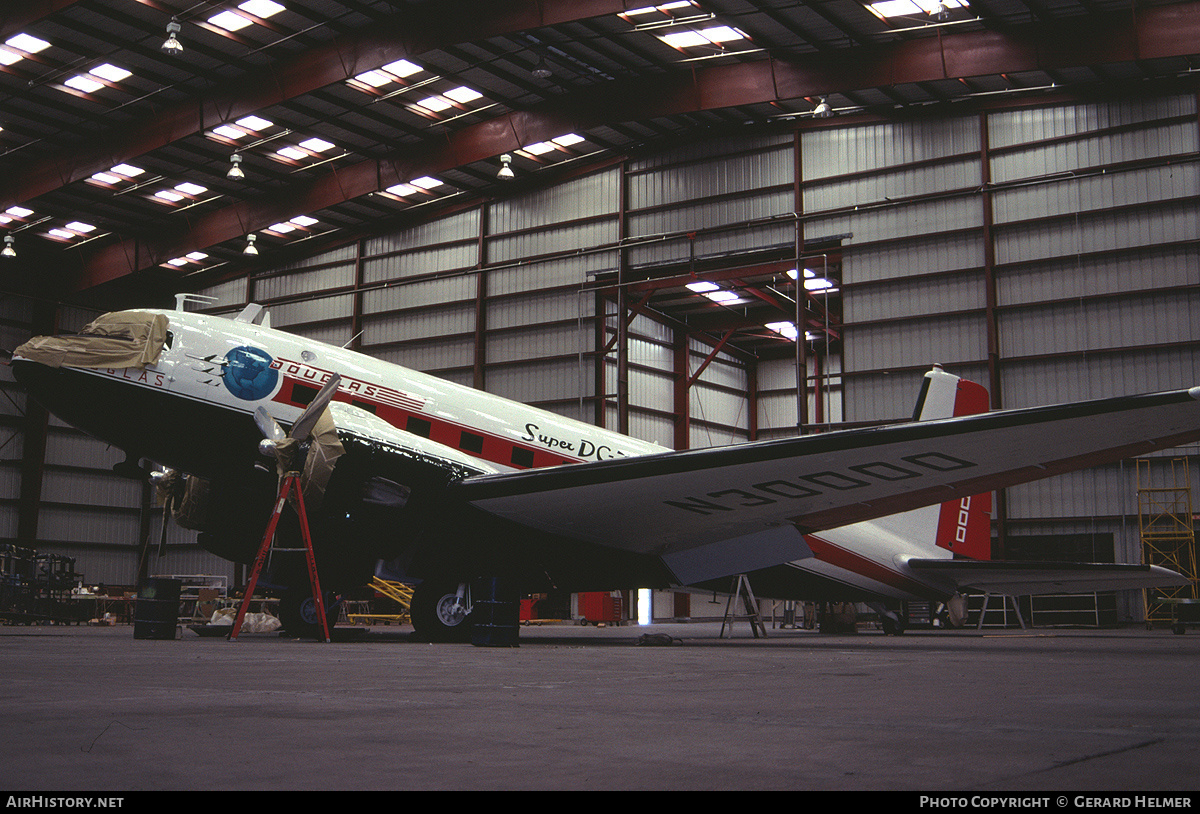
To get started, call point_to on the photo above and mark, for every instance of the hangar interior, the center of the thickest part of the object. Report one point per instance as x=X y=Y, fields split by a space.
x=705 y=197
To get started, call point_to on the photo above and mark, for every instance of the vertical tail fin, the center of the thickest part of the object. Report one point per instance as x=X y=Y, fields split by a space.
x=964 y=526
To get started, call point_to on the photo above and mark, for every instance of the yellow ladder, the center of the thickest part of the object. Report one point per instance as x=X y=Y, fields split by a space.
x=1167 y=530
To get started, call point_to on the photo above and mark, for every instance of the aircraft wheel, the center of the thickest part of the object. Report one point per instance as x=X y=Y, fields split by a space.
x=298 y=613
x=436 y=614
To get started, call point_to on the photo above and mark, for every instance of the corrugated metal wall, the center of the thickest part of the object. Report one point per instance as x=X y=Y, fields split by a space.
x=1049 y=252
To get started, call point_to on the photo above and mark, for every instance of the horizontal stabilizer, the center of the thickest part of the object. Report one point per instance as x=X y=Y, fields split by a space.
x=1024 y=578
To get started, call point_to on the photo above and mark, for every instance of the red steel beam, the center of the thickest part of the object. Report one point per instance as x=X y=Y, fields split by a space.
x=1154 y=33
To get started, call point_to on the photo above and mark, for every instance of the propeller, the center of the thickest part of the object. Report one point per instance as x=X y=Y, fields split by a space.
x=283 y=445
x=311 y=446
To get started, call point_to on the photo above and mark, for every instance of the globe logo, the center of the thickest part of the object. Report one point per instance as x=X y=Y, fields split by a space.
x=248 y=373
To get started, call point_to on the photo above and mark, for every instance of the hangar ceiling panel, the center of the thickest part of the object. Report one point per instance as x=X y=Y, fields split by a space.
x=351 y=117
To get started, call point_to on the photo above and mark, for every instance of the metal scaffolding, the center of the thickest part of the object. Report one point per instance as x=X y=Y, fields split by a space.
x=1167 y=530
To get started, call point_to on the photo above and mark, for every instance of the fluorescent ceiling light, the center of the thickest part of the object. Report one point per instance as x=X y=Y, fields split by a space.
x=294 y=153
x=83 y=83
x=569 y=140
x=787 y=329
x=62 y=233
x=435 y=103
x=425 y=182
x=722 y=33
x=901 y=8
x=722 y=296
x=540 y=148
x=107 y=178
x=254 y=123
x=703 y=286
x=178 y=261
x=708 y=36
x=401 y=189
x=317 y=145
x=261 y=8
x=128 y=170
x=191 y=189
x=463 y=94
x=282 y=228
x=110 y=72
x=375 y=79
x=304 y=220
x=817 y=284
x=402 y=68
x=168 y=195
x=229 y=20
x=80 y=226
x=229 y=131
x=196 y=256
x=27 y=43
x=684 y=39
x=19 y=211
x=8 y=57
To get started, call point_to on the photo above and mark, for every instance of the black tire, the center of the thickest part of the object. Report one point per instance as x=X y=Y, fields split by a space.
x=298 y=613
x=433 y=616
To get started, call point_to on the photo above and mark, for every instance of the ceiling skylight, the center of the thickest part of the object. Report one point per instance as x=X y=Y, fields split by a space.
x=232 y=21
x=543 y=147
x=392 y=72
x=117 y=175
x=716 y=35
x=317 y=145
x=461 y=95
x=909 y=8
x=91 y=81
x=19 y=47
x=242 y=127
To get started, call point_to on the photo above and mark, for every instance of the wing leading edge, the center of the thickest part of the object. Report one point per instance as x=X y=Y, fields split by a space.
x=676 y=502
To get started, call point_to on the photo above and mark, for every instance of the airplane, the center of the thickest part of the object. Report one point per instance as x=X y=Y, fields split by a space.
x=448 y=487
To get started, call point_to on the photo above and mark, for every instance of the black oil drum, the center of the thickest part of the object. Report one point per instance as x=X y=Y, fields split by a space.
x=495 y=613
x=156 y=612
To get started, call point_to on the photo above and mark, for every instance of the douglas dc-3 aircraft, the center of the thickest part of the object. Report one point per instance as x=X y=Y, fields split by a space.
x=444 y=485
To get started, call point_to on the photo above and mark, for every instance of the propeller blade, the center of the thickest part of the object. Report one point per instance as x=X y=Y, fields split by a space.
x=268 y=426
x=308 y=419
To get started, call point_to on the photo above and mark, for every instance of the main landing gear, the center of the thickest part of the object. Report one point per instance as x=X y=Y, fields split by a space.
x=441 y=611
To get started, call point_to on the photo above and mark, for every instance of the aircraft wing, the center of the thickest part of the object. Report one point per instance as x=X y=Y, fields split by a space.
x=1023 y=578
x=730 y=500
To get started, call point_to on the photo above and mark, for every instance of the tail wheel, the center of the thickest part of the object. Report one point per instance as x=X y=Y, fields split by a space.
x=438 y=614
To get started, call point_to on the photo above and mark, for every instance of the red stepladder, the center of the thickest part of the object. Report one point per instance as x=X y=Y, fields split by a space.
x=289 y=483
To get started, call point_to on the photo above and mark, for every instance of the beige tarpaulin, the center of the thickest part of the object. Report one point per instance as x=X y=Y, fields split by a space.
x=121 y=339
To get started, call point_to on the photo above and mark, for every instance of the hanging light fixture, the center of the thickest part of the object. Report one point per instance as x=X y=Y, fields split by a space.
x=8 y=250
x=506 y=171
x=172 y=46
x=823 y=110
x=235 y=168
x=541 y=70
x=250 y=249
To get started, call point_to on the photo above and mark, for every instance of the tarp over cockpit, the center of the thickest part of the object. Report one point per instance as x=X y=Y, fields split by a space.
x=117 y=340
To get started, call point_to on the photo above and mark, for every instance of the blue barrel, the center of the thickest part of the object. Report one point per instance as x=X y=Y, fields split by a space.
x=156 y=611
x=495 y=613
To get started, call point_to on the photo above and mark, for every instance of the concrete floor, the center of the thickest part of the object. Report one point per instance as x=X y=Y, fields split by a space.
x=93 y=709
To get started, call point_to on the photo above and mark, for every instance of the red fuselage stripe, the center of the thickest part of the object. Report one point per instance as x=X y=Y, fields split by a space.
x=857 y=564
